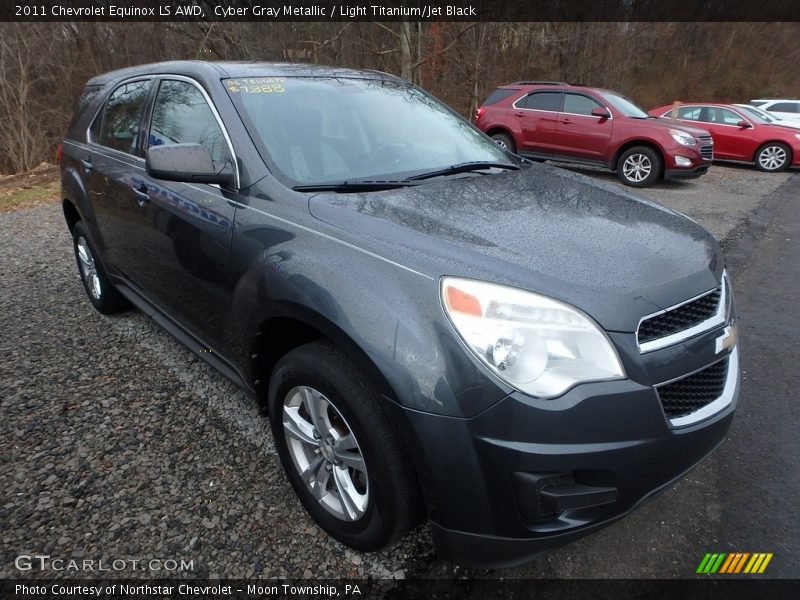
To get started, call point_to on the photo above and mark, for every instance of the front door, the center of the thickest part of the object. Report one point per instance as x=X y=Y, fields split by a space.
x=579 y=134
x=184 y=250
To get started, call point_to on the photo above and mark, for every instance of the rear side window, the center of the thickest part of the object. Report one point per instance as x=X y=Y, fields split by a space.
x=691 y=113
x=122 y=117
x=543 y=101
x=181 y=115
x=790 y=107
x=758 y=102
x=498 y=95
x=577 y=104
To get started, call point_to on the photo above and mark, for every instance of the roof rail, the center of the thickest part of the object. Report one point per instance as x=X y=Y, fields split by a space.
x=539 y=83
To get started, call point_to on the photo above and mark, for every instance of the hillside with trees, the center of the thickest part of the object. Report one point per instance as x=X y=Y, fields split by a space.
x=43 y=66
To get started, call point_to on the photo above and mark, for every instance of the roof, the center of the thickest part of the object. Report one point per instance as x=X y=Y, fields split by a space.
x=218 y=70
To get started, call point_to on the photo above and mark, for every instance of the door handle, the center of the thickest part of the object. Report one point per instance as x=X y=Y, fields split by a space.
x=567 y=121
x=519 y=114
x=140 y=191
x=87 y=163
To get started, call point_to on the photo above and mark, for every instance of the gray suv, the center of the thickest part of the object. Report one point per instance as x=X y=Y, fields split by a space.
x=436 y=328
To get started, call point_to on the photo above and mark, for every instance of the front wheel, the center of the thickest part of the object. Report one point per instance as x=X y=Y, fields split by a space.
x=339 y=449
x=773 y=157
x=639 y=167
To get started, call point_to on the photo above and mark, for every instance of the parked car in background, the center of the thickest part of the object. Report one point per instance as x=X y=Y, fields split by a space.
x=770 y=118
x=740 y=135
x=786 y=109
x=435 y=327
x=592 y=126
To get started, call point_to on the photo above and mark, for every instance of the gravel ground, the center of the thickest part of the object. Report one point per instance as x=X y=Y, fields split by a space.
x=120 y=444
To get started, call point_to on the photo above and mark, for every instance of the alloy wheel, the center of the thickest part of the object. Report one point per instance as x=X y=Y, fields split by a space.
x=637 y=167
x=325 y=453
x=772 y=158
x=89 y=269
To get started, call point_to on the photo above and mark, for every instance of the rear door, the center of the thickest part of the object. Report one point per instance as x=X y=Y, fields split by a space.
x=579 y=134
x=183 y=258
x=112 y=156
x=536 y=116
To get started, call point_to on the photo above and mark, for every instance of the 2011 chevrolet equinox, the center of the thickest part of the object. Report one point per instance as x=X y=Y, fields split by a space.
x=435 y=326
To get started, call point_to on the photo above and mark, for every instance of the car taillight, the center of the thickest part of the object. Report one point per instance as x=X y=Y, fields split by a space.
x=59 y=152
x=478 y=113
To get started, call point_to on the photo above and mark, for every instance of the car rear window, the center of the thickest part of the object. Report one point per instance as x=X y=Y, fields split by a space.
x=498 y=95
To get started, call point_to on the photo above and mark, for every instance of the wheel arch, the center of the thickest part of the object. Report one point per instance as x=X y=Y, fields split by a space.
x=639 y=142
x=296 y=326
x=490 y=131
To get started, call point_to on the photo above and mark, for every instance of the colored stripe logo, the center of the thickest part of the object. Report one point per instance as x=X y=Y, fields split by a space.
x=734 y=562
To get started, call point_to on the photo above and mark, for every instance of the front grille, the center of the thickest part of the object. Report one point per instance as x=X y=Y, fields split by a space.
x=707 y=147
x=679 y=318
x=685 y=396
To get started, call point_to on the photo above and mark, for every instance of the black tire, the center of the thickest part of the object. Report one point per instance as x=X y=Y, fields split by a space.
x=103 y=296
x=768 y=158
x=649 y=163
x=505 y=141
x=391 y=506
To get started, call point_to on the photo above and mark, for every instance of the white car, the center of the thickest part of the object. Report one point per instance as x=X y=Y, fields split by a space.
x=770 y=118
x=786 y=109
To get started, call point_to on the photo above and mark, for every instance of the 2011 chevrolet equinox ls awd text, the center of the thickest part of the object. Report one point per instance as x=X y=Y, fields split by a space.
x=436 y=327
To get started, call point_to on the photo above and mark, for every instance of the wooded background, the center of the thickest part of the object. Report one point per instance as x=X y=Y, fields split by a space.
x=43 y=66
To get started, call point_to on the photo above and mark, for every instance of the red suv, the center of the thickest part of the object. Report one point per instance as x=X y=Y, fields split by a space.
x=551 y=120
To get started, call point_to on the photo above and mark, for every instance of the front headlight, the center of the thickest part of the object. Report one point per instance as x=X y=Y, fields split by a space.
x=535 y=344
x=683 y=138
x=797 y=135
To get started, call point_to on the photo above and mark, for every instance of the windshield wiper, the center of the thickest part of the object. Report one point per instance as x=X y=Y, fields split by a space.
x=464 y=168
x=357 y=185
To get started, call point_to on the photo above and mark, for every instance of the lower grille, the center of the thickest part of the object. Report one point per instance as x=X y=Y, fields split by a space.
x=685 y=396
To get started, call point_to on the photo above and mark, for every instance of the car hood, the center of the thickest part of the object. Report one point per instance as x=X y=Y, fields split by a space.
x=660 y=123
x=613 y=255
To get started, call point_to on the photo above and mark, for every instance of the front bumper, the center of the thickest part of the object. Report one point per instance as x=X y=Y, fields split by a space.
x=527 y=476
x=687 y=173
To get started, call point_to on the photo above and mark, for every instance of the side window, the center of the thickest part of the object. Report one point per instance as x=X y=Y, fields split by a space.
x=730 y=118
x=723 y=116
x=544 y=101
x=498 y=95
x=122 y=116
x=579 y=105
x=689 y=113
x=181 y=115
x=789 y=107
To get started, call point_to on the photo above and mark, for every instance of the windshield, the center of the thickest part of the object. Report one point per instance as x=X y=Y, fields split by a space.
x=625 y=106
x=321 y=130
x=758 y=115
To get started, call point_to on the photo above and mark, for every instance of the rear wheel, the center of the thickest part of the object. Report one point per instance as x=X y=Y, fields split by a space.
x=103 y=296
x=339 y=450
x=639 y=166
x=773 y=157
x=505 y=141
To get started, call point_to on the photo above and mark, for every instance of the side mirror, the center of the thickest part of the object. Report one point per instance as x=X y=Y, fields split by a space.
x=190 y=163
x=601 y=112
x=744 y=125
